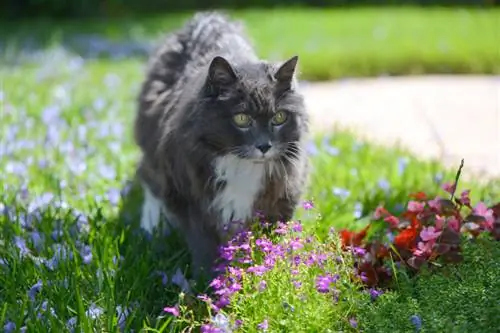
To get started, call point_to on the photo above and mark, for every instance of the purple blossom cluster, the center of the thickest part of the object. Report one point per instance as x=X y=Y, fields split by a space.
x=247 y=260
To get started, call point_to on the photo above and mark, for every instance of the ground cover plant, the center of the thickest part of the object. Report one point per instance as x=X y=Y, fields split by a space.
x=333 y=43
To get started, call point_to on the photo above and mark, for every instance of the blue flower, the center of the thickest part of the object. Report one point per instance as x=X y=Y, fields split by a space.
x=417 y=322
x=35 y=289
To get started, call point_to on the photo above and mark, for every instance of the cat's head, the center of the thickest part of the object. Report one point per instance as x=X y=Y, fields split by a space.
x=252 y=110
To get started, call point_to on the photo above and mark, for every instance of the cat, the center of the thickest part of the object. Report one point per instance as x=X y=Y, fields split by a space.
x=221 y=133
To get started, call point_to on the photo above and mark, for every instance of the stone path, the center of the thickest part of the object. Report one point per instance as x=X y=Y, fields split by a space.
x=444 y=117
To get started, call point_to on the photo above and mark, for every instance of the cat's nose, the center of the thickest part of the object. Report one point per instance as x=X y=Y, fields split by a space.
x=264 y=147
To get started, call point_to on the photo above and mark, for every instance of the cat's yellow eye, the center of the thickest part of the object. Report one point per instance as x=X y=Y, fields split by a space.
x=242 y=120
x=279 y=118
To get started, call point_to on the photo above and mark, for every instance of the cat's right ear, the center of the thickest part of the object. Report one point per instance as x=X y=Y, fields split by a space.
x=221 y=73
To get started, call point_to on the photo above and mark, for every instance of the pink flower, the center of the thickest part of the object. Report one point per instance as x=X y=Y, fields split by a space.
x=440 y=222
x=297 y=227
x=415 y=206
x=482 y=210
x=450 y=188
x=464 y=197
x=263 y=326
x=308 y=205
x=453 y=223
x=429 y=233
x=393 y=221
x=435 y=203
x=380 y=212
x=173 y=310
x=424 y=248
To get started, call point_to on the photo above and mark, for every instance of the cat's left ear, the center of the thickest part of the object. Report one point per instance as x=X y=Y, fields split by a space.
x=220 y=72
x=285 y=75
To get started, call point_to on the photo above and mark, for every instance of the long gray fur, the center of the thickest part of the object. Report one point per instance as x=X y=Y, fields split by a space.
x=200 y=77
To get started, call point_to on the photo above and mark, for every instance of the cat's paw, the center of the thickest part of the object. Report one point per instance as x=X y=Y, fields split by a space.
x=151 y=211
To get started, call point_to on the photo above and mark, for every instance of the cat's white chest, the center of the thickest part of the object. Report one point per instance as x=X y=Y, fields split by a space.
x=244 y=181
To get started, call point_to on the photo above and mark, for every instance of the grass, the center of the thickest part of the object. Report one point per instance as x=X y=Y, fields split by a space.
x=71 y=254
x=332 y=43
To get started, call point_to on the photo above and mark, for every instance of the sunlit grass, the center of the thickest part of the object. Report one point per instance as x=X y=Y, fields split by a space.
x=331 y=43
x=66 y=155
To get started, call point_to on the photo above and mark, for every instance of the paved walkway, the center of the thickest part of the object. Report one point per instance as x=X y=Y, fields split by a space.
x=444 y=117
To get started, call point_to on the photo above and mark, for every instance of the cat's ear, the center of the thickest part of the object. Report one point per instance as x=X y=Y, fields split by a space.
x=285 y=74
x=220 y=72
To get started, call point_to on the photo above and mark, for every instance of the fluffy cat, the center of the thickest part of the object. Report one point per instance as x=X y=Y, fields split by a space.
x=221 y=133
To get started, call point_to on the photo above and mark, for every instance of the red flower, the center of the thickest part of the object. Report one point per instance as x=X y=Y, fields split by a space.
x=350 y=238
x=420 y=196
x=406 y=238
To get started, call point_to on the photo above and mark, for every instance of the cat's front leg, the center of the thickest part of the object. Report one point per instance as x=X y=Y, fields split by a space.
x=203 y=243
x=151 y=210
x=282 y=211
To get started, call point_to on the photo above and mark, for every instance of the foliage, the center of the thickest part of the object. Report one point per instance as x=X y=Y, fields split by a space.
x=80 y=8
x=428 y=233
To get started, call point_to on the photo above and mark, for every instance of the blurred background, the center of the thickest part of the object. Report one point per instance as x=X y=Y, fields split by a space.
x=341 y=44
x=335 y=38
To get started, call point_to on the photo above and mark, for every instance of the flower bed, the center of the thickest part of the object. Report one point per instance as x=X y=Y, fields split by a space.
x=430 y=233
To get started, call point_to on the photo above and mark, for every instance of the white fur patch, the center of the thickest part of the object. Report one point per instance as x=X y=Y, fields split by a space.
x=244 y=180
x=151 y=210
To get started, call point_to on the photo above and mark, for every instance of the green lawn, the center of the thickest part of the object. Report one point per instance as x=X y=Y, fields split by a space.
x=332 y=43
x=78 y=259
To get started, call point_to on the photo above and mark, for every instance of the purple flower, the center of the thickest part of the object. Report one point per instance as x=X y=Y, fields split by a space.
x=296 y=244
x=342 y=193
x=358 y=210
x=263 y=326
x=21 y=245
x=312 y=149
x=323 y=282
x=50 y=114
x=384 y=184
x=41 y=201
x=374 y=293
x=9 y=327
x=262 y=285
x=164 y=277
x=114 y=196
x=264 y=244
x=417 y=322
x=358 y=251
x=71 y=324
x=42 y=309
x=308 y=205
x=257 y=270
x=297 y=227
x=173 y=310
x=402 y=164
x=86 y=253
x=94 y=312
x=37 y=239
x=281 y=229
x=179 y=280
x=222 y=302
x=35 y=289
x=209 y=328
x=107 y=171
x=353 y=322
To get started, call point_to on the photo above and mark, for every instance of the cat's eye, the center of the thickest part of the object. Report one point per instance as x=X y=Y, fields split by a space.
x=242 y=120
x=279 y=118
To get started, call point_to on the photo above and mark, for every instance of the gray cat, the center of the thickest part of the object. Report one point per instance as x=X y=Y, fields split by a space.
x=222 y=135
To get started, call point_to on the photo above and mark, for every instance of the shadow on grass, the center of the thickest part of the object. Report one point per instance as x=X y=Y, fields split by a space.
x=86 y=258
